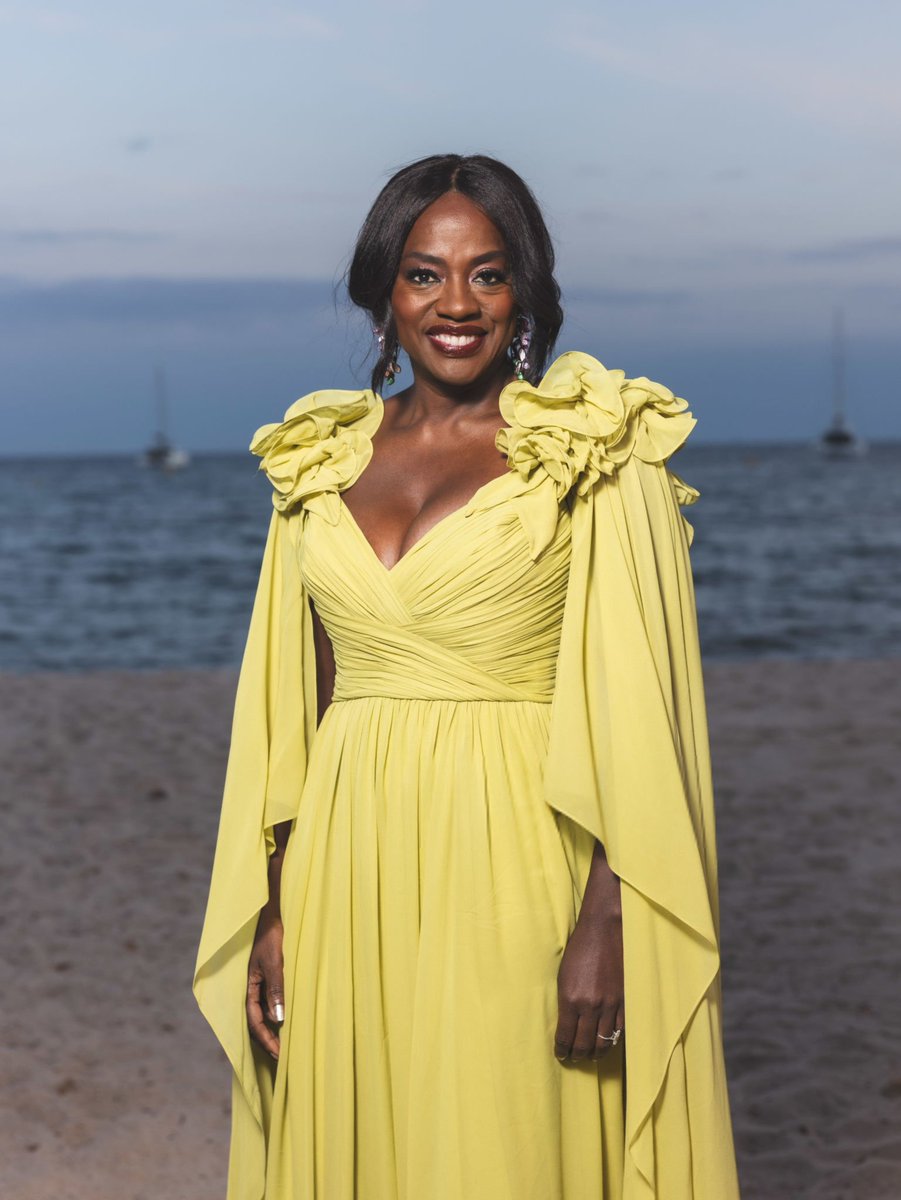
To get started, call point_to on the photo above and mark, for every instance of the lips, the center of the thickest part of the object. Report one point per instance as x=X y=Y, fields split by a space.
x=456 y=341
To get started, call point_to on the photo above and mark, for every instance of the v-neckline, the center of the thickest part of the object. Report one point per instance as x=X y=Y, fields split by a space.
x=433 y=529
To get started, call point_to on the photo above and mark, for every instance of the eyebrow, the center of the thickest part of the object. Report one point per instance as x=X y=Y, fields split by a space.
x=440 y=262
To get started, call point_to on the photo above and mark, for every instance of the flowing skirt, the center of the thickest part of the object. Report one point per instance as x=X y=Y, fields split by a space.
x=428 y=892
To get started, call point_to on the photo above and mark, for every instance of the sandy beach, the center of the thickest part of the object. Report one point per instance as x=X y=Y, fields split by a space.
x=113 y=1088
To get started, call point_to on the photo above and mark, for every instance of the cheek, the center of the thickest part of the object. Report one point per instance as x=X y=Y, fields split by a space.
x=503 y=313
x=396 y=300
x=503 y=308
x=405 y=303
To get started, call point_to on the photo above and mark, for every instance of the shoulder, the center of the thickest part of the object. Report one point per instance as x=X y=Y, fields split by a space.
x=583 y=421
x=320 y=446
x=320 y=414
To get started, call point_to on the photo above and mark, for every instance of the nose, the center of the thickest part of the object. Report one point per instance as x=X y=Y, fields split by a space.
x=457 y=301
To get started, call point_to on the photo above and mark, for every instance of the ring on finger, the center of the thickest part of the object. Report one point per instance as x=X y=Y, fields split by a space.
x=612 y=1038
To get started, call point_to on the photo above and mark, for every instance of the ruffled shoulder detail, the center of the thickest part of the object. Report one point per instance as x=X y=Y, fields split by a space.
x=583 y=421
x=319 y=449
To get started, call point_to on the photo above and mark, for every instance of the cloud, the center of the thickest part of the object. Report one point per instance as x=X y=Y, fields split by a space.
x=68 y=237
x=594 y=216
x=138 y=144
x=310 y=24
x=281 y=20
x=823 y=85
x=160 y=300
x=632 y=297
x=45 y=19
x=265 y=18
x=852 y=250
x=593 y=170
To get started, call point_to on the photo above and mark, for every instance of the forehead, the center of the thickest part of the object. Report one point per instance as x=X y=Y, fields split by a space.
x=453 y=223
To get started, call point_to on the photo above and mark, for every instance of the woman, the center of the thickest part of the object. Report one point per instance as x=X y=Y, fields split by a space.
x=467 y=825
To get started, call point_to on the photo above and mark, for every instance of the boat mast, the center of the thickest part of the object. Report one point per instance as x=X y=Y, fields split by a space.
x=838 y=369
x=159 y=383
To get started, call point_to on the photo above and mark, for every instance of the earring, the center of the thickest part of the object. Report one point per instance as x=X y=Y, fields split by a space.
x=519 y=347
x=393 y=367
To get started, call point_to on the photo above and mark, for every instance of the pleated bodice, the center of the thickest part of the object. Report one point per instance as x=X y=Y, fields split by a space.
x=466 y=614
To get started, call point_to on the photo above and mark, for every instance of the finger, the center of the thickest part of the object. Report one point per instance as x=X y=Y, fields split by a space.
x=262 y=1034
x=586 y=1035
x=275 y=994
x=606 y=1026
x=256 y=1021
x=567 y=1022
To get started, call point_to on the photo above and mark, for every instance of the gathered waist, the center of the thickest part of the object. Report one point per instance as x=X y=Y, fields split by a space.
x=544 y=702
x=469 y=691
x=399 y=663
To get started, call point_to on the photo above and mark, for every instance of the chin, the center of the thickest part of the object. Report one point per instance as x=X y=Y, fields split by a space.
x=463 y=371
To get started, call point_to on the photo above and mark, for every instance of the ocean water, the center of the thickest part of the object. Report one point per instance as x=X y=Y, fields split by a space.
x=103 y=564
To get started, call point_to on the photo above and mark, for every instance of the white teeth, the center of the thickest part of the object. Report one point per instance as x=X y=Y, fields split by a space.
x=456 y=340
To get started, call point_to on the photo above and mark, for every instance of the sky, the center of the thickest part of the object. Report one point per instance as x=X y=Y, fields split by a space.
x=183 y=183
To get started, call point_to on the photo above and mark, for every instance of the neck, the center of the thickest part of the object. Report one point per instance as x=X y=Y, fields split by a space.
x=431 y=399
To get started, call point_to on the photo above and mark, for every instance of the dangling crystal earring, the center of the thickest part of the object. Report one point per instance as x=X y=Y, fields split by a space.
x=393 y=367
x=519 y=347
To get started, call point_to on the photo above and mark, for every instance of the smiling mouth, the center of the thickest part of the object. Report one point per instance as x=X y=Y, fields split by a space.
x=456 y=343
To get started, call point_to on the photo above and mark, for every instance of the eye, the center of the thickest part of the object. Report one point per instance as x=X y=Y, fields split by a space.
x=420 y=275
x=491 y=277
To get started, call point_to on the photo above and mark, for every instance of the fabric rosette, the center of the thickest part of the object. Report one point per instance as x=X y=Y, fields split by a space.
x=319 y=449
x=583 y=421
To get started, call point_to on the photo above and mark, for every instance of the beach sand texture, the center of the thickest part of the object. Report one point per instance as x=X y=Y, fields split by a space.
x=113 y=1088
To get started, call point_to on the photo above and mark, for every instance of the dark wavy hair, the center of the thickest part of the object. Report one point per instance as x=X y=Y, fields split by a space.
x=506 y=200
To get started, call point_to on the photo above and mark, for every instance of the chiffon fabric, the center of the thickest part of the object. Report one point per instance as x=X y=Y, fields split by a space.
x=524 y=680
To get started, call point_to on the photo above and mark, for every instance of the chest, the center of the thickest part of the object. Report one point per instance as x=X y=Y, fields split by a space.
x=413 y=482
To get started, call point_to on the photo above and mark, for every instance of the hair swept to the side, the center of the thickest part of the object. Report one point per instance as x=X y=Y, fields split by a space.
x=507 y=201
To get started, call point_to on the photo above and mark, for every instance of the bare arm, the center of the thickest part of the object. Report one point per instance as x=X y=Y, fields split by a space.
x=590 y=983
x=265 y=978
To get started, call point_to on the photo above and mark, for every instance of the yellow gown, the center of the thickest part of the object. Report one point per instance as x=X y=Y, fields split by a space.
x=524 y=680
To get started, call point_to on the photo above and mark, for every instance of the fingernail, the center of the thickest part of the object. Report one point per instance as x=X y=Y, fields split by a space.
x=279 y=1012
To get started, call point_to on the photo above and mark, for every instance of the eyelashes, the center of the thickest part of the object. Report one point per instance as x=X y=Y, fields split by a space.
x=488 y=276
x=420 y=275
x=497 y=277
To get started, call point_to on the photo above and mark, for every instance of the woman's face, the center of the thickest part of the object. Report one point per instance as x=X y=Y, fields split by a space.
x=452 y=300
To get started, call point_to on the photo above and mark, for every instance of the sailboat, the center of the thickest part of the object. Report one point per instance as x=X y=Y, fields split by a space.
x=161 y=454
x=839 y=440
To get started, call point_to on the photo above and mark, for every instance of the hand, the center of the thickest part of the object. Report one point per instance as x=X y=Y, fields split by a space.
x=590 y=992
x=590 y=983
x=266 y=983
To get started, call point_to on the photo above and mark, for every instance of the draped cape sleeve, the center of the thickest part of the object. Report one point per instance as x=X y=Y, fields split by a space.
x=272 y=730
x=321 y=446
x=629 y=757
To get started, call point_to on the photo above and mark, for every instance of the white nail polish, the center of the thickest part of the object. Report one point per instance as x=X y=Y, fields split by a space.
x=279 y=1012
